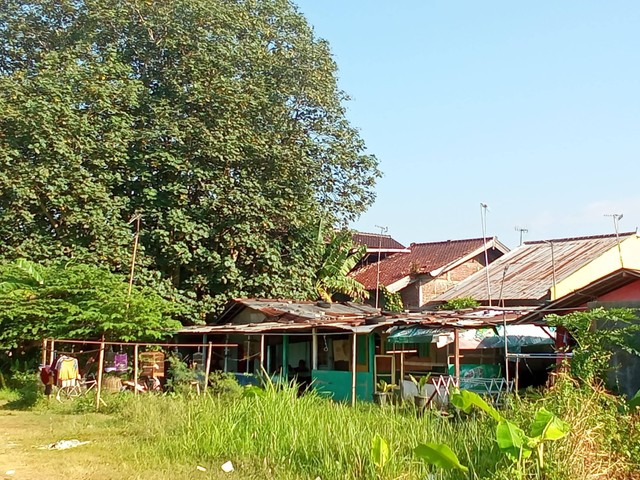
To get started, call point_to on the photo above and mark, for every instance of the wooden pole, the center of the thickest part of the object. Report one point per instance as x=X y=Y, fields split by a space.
x=314 y=349
x=517 y=379
x=285 y=358
x=262 y=342
x=44 y=351
x=207 y=370
x=135 y=369
x=53 y=343
x=100 y=368
x=353 y=370
x=456 y=353
x=402 y=371
x=136 y=239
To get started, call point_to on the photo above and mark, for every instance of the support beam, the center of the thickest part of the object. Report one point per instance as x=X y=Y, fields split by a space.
x=285 y=357
x=207 y=369
x=53 y=348
x=100 y=369
x=226 y=354
x=354 y=347
x=263 y=368
x=44 y=351
x=401 y=382
x=136 y=374
x=314 y=349
x=456 y=352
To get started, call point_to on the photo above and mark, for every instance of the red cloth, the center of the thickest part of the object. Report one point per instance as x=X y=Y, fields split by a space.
x=47 y=375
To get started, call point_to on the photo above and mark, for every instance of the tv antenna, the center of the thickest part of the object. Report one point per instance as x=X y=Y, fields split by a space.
x=522 y=231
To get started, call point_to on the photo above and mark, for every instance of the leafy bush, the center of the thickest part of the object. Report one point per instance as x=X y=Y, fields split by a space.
x=460 y=303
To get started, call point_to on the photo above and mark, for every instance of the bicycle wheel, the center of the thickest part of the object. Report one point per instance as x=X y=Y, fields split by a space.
x=67 y=393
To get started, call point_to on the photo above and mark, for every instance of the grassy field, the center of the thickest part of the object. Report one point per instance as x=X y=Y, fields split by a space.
x=278 y=435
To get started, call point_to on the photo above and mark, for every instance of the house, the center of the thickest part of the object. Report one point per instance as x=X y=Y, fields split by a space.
x=343 y=349
x=427 y=270
x=555 y=276
x=379 y=246
x=618 y=289
x=541 y=271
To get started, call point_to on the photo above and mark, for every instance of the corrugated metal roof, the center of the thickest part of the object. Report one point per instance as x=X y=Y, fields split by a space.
x=377 y=241
x=298 y=311
x=423 y=258
x=526 y=273
x=364 y=323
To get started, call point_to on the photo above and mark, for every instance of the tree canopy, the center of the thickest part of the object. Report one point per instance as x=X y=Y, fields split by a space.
x=77 y=301
x=219 y=121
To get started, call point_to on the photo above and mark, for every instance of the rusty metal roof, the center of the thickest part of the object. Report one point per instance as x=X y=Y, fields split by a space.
x=367 y=321
x=297 y=310
x=423 y=258
x=526 y=273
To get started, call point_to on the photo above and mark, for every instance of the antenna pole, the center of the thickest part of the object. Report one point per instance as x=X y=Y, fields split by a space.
x=616 y=218
x=483 y=217
x=522 y=232
x=382 y=231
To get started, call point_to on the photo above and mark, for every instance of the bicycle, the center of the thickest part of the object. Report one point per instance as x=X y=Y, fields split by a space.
x=79 y=388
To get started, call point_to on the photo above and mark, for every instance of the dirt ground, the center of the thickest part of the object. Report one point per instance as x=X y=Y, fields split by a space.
x=108 y=456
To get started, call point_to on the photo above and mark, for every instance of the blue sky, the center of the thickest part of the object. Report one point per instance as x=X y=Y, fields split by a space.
x=530 y=107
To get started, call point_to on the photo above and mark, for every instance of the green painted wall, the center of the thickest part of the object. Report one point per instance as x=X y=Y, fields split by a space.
x=337 y=384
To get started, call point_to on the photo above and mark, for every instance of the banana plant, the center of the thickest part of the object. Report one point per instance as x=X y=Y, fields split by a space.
x=511 y=439
x=439 y=455
x=380 y=452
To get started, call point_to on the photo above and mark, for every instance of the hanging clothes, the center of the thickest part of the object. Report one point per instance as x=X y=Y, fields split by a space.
x=67 y=371
x=109 y=362
x=120 y=362
x=47 y=376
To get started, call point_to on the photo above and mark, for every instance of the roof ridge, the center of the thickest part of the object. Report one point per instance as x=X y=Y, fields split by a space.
x=356 y=232
x=587 y=237
x=451 y=241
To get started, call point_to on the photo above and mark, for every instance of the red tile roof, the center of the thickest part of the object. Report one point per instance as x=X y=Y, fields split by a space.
x=376 y=241
x=423 y=258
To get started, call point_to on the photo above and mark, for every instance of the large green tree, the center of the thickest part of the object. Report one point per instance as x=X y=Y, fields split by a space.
x=219 y=121
x=67 y=300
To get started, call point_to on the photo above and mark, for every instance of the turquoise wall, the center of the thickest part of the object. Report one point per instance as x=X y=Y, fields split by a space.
x=337 y=384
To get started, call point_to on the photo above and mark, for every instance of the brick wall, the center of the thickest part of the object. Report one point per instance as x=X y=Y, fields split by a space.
x=433 y=287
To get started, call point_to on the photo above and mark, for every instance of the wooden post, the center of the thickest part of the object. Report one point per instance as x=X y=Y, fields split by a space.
x=262 y=343
x=135 y=369
x=456 y=353
x=53 y=344
x=285 y=358
x=354 y=346
x=517 y=379
x=100 y=368
x=314 y=349
x=226 y=354
x=401 y=382
x=247 y=355
x=208 y=367
x=44 y=351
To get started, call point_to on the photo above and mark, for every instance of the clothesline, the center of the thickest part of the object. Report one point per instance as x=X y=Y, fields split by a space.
x=145 y=344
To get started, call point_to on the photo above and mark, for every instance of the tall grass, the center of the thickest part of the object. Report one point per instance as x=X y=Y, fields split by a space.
x=282 y=436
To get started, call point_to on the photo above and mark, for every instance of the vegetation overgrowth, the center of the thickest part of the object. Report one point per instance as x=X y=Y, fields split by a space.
x=278 y=434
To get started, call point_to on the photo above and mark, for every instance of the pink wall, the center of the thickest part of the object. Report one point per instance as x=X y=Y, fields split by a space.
x=627 y=293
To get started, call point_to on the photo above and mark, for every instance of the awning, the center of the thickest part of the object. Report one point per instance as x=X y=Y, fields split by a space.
x=418 y=334
x=518 y=336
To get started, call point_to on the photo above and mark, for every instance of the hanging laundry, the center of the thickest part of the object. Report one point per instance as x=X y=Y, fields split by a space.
x=109 y=362
x=120 y=362
x=67 y=371
x=47 y=376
